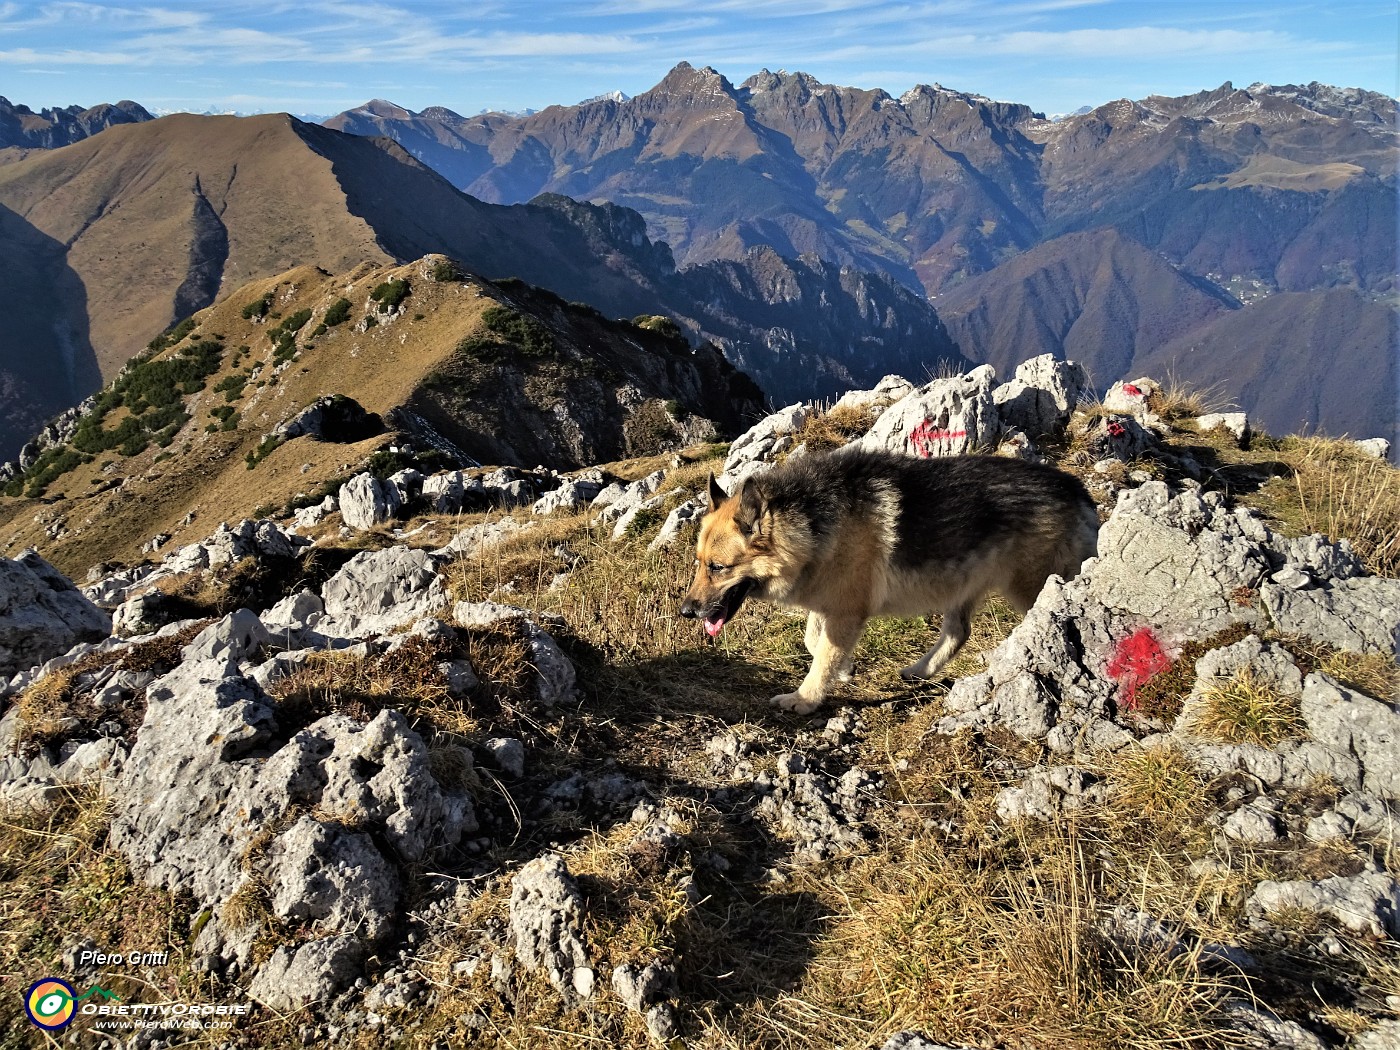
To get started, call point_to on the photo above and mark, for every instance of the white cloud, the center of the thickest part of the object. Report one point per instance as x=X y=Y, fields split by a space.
x=1142 y=41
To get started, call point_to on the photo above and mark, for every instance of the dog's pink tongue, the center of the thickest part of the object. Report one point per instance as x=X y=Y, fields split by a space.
x=713 y=627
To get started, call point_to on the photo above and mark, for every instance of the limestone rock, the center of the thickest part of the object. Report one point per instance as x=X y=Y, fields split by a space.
x=309 y=973
x=947 y=417
x=617 y=499
x=366 y=501
x=1130 y=398
x=376 y=591
x=1041 y=396
x=1255 y=824
x=913 y=1041
x=42 y=614
x=331 y=418
x=1353 y=724
x=1237 y=423
x=1176 y=561
x=331 y=878
x=688 y=513
x=451 y=492
x=1366 y=904
x=758 y=442
x=546 y=923
x=1359 y=615
x=886 y=392
x=570 y=496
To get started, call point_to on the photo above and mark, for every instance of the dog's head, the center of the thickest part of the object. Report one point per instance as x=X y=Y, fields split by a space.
x=732 y=555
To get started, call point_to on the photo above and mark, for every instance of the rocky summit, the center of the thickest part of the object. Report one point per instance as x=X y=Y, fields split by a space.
x=427 y=758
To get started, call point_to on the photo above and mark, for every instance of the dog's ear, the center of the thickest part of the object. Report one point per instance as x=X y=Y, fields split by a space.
x=752 y=515
x=717 y=494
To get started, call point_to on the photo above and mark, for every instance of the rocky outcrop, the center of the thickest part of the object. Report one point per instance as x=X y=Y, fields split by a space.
x=947 y=417
x=41 y=614
x=366 y=501
x=370 y=792
x=331 y=418
x=377 y=591
x=1041 y=396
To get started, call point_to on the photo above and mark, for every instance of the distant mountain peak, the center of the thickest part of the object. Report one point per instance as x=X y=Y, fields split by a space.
x=607 y=96
x=58 y=126
x=379 y=107
x=686 y=79
x=441 y=113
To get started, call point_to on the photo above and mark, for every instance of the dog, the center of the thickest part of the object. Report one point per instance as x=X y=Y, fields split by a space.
x=851 y=534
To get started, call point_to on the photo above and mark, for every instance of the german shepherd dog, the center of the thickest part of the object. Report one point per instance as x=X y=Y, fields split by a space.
x=848 y=535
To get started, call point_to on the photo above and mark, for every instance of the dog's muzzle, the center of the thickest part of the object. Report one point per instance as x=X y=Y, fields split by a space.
x=718 y=612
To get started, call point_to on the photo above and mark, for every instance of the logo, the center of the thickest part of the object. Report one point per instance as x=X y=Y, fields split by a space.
x=50 y=1002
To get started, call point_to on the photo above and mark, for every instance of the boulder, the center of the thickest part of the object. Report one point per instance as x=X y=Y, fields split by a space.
x=450 y=491
x=688 y=513
x=1237 y=423
x=886 y=392
x=618 y=499
x=332 y=418
x=220 y=795
x=947 y=417
x=1366 y=904
x=1130 y=398
x=570 y=496
x=308 y=974
x=1041 y=396
x=1353 y=724
x=42 y=614
x=366 y=501
x=376 y=591
x=757 y=443
x=1359 y=615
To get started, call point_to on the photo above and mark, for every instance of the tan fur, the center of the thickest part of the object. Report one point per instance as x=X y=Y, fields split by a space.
x=854 y=580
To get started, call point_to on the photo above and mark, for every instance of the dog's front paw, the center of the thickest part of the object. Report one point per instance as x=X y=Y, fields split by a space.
x=796 y=703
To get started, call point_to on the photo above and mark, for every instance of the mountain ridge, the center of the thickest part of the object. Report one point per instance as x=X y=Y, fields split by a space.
x=194 y=205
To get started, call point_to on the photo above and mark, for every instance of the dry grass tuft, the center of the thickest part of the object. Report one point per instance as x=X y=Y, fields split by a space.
x=1245 y=710
x=59 y=884
x=407 y=679
x=1346 y=494
x=1176 y=400
x=837 y=426
x=58 y=708
x=1159 y=784
x=976 y=952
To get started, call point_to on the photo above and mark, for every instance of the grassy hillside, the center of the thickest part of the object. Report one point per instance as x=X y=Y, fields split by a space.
x=184 y=429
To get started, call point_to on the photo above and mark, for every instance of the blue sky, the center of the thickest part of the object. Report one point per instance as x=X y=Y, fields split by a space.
x=323 y=56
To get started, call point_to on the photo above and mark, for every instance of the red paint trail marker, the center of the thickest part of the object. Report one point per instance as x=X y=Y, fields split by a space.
x=1136 y=660
x=925 y=434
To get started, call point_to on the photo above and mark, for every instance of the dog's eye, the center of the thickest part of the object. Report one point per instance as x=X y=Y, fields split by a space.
x=717 y=568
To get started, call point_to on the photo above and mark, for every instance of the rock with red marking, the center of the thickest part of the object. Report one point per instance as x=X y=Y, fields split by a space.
x=947 y=417
x=1130 y=397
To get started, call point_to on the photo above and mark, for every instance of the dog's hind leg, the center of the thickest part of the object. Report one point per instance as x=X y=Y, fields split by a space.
x=957 y=626
x=831 y=660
